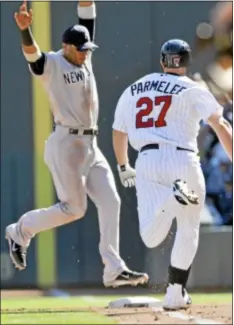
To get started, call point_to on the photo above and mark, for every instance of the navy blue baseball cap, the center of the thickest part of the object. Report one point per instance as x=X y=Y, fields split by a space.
x=78 y=36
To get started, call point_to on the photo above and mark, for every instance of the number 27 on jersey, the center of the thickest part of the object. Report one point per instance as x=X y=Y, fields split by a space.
x=146 y=106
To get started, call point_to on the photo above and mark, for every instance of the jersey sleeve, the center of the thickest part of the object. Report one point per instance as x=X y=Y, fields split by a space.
x=44 y=68
x=204 y=103
x=120 y=123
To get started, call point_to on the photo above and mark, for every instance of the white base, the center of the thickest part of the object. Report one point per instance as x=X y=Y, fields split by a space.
x=135 y=302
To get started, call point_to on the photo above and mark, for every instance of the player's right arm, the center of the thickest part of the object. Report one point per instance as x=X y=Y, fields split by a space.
x=87 y=16
x=120 y=142
x=32 y=53
x=86 y=11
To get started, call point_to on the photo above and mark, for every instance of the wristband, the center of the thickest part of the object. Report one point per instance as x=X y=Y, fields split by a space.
x=27 y=37
x=122 y=168
x=33 y=57
x=87 y=12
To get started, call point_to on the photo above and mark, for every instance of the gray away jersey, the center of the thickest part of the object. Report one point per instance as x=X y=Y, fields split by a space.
x=72 y=91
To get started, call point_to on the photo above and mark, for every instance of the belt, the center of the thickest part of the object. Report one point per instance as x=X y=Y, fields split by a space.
x=83 y=131
x=156 y=146
x=80 y=131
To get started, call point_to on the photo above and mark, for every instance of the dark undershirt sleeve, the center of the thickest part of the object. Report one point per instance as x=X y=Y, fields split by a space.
x=38 y=66
x=90 y=25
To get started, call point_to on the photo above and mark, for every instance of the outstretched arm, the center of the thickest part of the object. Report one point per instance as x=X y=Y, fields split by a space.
x=23 y=20
x=31 y=50
x=223 y=130
x=210 y=111
x=87 y=16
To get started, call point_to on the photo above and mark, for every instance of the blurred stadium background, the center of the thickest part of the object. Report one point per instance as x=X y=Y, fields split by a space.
x=130 y=35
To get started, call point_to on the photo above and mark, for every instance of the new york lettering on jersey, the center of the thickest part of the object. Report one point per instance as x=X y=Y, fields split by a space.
x=73 y=77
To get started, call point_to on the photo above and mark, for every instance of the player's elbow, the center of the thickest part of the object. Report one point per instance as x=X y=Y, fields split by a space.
x=38 y=66
x=219 y=124
x=225 y=124
x=119 y=135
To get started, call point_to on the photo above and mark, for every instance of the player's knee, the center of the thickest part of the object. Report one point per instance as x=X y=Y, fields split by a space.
x=147 y=238
x=116 y=202
x=77 y=211
x=109 y=203
x=151 y=237
x=148 y=243
x=113 y=201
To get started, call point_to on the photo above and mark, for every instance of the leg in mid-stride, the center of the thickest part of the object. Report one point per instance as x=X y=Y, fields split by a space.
x=163 y=127
x=116 y=273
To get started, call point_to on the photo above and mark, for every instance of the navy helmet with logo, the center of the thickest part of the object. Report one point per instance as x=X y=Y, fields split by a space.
x=78 y=36
x=175 y=54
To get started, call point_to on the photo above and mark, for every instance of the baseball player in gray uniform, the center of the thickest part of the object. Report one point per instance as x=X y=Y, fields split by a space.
x=77 y=165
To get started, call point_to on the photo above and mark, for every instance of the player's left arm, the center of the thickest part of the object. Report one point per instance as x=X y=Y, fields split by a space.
x=87 y=16
x=211 y=112
x=120 y=143
x=223 y=130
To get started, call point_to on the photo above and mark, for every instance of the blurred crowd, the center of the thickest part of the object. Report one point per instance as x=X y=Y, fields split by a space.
x=217 y=33
x=218 y=173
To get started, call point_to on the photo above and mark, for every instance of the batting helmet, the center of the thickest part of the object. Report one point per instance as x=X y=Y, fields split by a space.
x=175 y=54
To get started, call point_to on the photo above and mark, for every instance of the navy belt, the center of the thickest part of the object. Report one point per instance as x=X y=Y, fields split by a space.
x=156 y=146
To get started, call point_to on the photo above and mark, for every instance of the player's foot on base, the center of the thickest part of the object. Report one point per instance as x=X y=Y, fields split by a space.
x=182 y=194
x=128 y=277
x=17 y=252
x=176 y=298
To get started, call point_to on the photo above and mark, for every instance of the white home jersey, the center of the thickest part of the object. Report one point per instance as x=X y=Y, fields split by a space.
x=72 y=91
x=164 y=108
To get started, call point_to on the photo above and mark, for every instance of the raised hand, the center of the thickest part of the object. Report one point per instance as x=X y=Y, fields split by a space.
x=24 y=16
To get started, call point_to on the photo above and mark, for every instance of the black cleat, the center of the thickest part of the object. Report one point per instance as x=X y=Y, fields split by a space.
x=17 y=253
x=128 y=278
x=183 y=195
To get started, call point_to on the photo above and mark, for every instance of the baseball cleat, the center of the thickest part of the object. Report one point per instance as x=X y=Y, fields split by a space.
x=182 y=194
x=131 y=278
x=176 y=298
x=17 y=253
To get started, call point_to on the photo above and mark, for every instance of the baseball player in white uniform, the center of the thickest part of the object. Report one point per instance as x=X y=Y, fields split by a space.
x=160 y=114
x=76 y=163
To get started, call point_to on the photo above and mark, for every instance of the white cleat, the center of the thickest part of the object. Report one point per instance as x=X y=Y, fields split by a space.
x=183 y=195
x=176 y=298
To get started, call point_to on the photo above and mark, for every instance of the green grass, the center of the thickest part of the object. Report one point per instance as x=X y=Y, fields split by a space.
x=25 y=310
x=56 y=318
